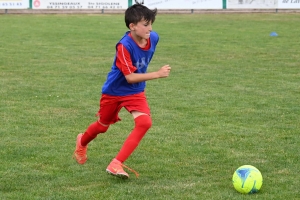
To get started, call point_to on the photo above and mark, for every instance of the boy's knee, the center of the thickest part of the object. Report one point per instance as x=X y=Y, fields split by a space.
x=104 y=129
x=101 y=127
x=144 y=121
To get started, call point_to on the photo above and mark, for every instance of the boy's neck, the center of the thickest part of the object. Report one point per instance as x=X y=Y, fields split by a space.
x=141 y=42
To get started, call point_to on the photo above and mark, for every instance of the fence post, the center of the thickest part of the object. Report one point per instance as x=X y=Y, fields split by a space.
x=30 y=4
x=129 y=3
x=224 y=4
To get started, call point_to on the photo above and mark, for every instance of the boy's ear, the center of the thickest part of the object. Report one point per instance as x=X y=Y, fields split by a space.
x=131 y=26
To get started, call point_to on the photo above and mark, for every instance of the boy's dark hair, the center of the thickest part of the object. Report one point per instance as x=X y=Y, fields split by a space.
x=137 y=12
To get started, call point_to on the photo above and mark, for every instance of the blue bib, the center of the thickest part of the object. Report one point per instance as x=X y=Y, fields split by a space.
x=116 y=83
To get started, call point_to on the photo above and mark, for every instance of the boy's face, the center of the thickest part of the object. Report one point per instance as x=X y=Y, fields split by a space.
x=142 y=29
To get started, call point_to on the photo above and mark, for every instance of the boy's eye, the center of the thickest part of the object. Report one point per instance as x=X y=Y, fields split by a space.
x=147 y=23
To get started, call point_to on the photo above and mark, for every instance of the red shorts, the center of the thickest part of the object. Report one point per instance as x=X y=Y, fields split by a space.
x=110 y=106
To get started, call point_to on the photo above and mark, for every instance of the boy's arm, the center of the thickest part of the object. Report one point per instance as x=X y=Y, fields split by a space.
x=161 y=73
x=123 y=60
x=124 y=63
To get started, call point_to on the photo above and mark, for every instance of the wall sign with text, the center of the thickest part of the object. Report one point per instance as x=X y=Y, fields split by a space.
x=184 y=4
x=290 y=4
x=79 y=4
x=14 y=4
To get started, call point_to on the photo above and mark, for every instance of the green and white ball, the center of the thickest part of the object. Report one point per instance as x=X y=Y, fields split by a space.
x=247 y=179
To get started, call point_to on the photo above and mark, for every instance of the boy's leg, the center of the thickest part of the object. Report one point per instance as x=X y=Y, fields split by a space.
x=137 y=105
x=142 y=123
x=92 y=131
x=108 y=114
x=84 y=138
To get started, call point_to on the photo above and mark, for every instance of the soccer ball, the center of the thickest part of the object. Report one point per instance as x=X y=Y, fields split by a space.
x=247 y=179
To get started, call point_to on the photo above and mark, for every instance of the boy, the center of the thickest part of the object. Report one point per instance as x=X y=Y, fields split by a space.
x=125 y=86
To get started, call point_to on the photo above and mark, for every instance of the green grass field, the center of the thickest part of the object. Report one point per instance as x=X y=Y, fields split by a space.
x=233 y=98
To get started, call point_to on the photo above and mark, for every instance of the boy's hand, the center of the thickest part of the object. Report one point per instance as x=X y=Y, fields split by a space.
x=164 y=71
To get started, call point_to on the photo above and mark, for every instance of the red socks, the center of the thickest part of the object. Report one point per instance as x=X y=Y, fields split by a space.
x=142 y=124
x=92 y=131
